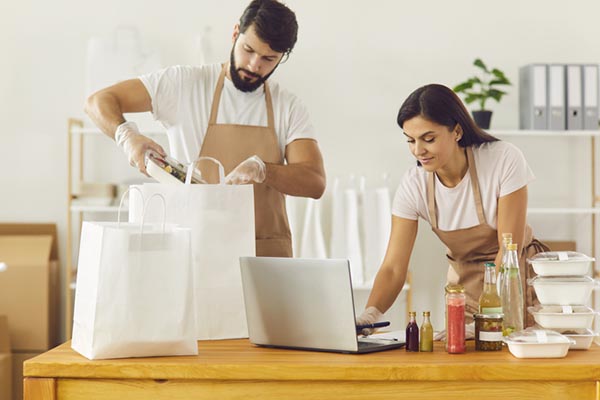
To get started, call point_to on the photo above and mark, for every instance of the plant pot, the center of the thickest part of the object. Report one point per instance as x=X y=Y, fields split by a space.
x=482 y=118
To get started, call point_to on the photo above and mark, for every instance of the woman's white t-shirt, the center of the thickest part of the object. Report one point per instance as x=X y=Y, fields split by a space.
x=501 y=170
x=182 y=99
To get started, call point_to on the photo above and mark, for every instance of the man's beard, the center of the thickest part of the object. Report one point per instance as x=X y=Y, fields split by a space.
x=241 y=83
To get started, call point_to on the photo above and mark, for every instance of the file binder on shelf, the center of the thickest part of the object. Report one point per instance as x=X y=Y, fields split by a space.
x=590 y=96
x=574 y=97
x=533 y=108
x=556 y=97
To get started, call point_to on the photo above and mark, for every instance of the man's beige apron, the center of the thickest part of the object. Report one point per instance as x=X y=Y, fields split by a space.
x=231 y=144
x=470 y=248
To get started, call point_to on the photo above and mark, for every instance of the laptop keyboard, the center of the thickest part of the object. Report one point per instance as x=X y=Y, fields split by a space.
x=370 y=343
x=367 y=345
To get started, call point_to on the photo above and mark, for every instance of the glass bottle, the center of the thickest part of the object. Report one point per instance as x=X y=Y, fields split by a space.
x=426 y=334
x=506 y=240
x=489 y=301
x=512 y=293
x=412 y=333
x=455 y=319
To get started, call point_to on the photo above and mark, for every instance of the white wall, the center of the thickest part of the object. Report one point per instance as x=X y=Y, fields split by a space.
x=353 y=66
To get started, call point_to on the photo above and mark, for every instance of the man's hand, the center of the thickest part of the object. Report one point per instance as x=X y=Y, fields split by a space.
x=135 y=145
x=252 y=169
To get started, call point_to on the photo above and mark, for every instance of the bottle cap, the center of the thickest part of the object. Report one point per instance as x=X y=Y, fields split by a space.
x=489 y=264
x=511 y=246
x=426 y=313
x=450 y=288
x=507 y=235
x=412 y=313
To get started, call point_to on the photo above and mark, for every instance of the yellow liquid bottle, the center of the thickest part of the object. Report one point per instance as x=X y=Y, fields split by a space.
x=426 y=334
x=489 y=301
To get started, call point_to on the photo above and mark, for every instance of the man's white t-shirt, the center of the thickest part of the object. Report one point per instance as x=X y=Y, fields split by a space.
x=501 y=170
x=182 y=99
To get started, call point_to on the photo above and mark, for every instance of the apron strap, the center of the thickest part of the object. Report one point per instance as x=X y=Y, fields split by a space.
x=475 y=185
x=431 y=199
x=214 y=111
x=270 y=116
x=217 y=96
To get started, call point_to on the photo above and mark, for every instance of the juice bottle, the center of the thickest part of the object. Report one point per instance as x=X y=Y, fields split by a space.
x=455 y=319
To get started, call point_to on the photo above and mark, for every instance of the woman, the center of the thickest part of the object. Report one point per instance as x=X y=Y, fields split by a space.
x=470 y=186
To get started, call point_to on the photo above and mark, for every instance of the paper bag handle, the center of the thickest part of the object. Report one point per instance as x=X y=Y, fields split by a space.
x=123 y=199
x=188 y=176
x=164 y=203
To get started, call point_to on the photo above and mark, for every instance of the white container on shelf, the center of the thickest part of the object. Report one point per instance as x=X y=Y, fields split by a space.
x=561 y=263
x=538 y=343
x=559 y=317
x=564 y=290
x=583 y=338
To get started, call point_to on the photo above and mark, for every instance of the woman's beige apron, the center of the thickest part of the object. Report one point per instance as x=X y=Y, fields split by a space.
x=470 y=248
x=231 y=144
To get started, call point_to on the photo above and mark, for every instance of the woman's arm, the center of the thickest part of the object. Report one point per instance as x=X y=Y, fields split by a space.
x=512 y=217
x=392 y=273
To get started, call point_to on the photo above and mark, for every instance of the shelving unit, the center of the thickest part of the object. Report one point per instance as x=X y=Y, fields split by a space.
x=593 y=210
x=77 y=207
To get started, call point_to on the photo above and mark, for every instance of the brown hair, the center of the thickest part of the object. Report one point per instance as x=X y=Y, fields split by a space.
x=441 y=105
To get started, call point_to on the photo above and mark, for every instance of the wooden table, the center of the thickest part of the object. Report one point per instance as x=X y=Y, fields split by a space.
x=235 y=369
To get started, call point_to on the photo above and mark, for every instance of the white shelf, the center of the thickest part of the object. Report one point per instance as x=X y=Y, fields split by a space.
x=563 y=210
x=82 y=206
x=95 y=131
x=518 y=132
x=370 y=286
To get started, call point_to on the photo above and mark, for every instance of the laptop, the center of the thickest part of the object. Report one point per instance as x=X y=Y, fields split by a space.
x=305 y=304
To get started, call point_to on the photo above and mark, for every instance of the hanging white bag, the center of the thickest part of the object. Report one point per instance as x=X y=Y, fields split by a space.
x=134 y=294
x=222 y=221
x=313 y=242
x=376 y=225
x=345 y=233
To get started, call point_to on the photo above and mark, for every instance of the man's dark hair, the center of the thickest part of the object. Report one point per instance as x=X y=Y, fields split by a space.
x=274 y=23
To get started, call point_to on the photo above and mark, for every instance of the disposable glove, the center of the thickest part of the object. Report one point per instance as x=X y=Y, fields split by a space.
x=135 y=145
x=469 y=333
x=369 y=316
x=252 y=169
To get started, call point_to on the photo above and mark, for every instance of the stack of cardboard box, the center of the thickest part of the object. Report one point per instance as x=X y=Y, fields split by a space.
x=28 y=293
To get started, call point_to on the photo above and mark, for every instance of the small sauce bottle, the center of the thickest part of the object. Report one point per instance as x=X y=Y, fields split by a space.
x=426 y=343
x=455 y=319
x=412 y=333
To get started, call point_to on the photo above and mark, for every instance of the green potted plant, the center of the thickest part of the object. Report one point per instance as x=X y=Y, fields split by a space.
x=482 y=88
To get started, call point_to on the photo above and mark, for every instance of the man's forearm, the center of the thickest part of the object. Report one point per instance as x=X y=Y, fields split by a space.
x=104 y=110
x=295 y=180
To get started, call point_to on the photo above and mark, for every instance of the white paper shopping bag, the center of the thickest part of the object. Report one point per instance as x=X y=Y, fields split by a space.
x=222 y=221
x=134 y=295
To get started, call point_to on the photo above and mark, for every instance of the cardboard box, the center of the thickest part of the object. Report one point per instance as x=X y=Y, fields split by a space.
x=29 y=285
x=5 y=361
x=561 y=245
x=17 y=372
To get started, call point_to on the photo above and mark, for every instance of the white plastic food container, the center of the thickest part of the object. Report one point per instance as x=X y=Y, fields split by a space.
x=538 y=343
x=563 y=317
x=583 y=338
x=561 y=263
x=564 y=290
x=168 y=170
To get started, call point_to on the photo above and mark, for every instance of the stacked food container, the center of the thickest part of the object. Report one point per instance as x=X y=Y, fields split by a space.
x=563 y=288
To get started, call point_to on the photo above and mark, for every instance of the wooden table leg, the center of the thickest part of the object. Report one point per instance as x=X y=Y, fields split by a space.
x=39 y=389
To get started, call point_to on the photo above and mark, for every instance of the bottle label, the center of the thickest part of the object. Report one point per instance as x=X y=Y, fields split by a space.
x=491 y=310
x=490 y=336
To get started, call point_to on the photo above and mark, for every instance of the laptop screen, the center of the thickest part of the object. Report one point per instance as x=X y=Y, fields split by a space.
x=300 y=303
